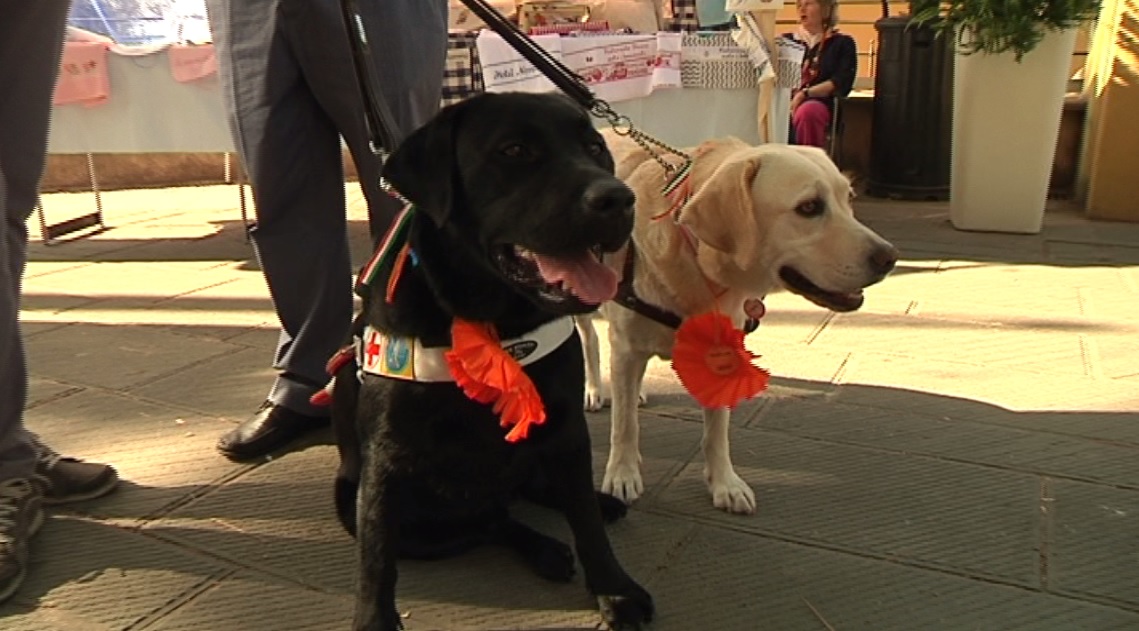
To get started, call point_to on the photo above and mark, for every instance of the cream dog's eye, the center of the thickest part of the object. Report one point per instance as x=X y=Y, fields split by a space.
x=811 y=208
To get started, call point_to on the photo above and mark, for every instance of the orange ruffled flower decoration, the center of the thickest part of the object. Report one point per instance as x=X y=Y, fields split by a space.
x=488 y=374
x=710 y=359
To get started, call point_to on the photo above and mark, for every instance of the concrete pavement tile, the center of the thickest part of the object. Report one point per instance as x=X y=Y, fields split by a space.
x=30 y=328
x=1129 y=276
x=1111 y=355
x=964 y=441
x=1107 y=413
x=225 y=250
x=32 y=618
x=857 y=391
x=1118 y=254
x=167 y=225
x=826 y=365
x=277 y=518
x=213 y=332
x=77 y=248
x=162 y=315
x=242 y=285
x=36 y=269
x=50 y=307
x=252 y=602
x=262 y=337
x=145 y=204
x=968 y=519
x=727 y=580
x=103 y=356
x=981 y=288
x=996 y=386
x=43 y=390
x=163 y=454
x=917 y=242
x=1114 y=305
x=1025 y=348
x=927 y=226
x=789 y=318
x=232 y=385
x=152 y=281
x=243 y=301
x=107 y=575
x=210 y=198
x=1094 y=548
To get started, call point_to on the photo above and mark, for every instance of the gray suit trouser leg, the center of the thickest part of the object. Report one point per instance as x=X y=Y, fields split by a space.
x=31 y=41
x=291 y=92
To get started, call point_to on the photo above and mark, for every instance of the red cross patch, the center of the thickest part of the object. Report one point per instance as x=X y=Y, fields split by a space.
x=373 y=350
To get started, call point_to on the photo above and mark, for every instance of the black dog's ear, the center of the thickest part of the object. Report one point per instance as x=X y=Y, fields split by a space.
x=422 y=168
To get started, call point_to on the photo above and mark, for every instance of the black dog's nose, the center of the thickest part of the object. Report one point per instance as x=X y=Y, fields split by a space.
x=608 y=198
x=883 y=259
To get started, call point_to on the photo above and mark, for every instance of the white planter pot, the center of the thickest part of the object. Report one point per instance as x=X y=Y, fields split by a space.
x=1006 y=119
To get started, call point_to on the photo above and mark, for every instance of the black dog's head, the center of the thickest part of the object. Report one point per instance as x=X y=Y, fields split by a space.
x=525 y=184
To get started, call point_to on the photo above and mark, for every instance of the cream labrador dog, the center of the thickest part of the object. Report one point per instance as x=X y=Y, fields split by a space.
x=760 y=219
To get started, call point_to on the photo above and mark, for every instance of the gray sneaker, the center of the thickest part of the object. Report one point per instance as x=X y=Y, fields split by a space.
x=21 y=515
x=69 y=479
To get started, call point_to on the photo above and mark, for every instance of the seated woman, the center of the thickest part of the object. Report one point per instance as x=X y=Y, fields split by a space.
x=829 y=66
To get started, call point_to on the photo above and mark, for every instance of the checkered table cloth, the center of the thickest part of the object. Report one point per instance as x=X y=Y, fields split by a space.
x=462 y=76
x=683 y=16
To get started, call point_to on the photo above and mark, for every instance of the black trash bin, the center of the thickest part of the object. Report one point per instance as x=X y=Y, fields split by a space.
x=913 y=115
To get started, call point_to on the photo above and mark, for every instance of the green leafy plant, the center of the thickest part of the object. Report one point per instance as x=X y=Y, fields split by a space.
x=998 y=26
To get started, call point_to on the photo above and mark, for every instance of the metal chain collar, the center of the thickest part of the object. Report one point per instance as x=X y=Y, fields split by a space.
x=623 y=126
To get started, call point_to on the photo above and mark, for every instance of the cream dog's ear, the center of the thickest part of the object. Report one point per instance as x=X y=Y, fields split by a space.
x=721 y=213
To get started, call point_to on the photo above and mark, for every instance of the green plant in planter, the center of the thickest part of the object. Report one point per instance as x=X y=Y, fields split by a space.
x=998 y=26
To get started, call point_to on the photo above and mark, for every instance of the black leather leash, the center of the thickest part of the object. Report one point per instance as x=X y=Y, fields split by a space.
x=377 y=116
x=554 y=70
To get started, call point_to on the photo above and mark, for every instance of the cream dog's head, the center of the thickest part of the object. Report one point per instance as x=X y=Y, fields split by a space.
x=782 y=217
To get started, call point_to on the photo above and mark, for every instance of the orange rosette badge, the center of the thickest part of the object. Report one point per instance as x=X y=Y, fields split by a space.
x=710 y=359
x=488 y=374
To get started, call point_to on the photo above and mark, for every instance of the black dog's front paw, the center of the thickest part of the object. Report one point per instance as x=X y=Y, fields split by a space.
x=612 y=508
x=628 y=611
x=554 y=562
x=378 y=621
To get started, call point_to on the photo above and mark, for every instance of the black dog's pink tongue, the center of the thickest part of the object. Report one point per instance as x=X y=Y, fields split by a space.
x=584 y=276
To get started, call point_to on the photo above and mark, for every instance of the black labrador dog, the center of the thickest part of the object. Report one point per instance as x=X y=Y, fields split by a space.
x=514 y=200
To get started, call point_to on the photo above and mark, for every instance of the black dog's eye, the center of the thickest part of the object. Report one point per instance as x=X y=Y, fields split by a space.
x=595 y=148
x=515 y=150
x=811 y=208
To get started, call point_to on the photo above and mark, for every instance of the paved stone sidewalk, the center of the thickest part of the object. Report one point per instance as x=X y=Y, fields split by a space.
x=961 y=454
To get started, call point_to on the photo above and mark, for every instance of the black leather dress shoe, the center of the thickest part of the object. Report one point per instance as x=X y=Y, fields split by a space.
x=269 y=429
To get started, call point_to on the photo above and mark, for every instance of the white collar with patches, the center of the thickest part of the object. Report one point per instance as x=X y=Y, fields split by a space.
x=378 y=353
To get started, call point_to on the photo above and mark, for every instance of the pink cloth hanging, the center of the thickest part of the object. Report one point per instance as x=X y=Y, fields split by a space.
x=192 y=62
x=83 y=76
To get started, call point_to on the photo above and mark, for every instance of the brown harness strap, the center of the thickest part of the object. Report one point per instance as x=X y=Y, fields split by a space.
x=627 y=298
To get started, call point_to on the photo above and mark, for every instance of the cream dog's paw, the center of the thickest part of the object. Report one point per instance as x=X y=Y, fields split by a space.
x=623 y=481
x=732 y=494
x=594 y=398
